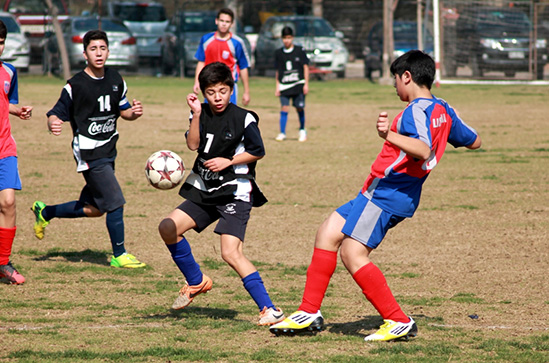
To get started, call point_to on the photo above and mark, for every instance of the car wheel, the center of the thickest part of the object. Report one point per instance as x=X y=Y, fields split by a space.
x=475 y=67
x=367 y=72
x=451 y=68
x=539 y=73
x=509 y=74
x=340 y=74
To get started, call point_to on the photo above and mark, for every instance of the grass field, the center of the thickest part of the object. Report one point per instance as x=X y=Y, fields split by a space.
x=478 y=244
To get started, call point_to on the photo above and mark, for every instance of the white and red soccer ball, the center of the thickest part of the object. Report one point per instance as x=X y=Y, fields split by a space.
x=164 y=169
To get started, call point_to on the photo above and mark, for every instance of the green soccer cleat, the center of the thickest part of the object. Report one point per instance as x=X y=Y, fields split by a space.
x=299 y=322
x=126 y=260
x=394 y=330
x=40 y=223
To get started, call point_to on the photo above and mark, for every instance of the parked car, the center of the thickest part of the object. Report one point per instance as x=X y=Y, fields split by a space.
x=35 y=21
x=182 y=38
x=323 y=45
x=494 y=39
x=17 y=48
x=122 y=44
x=147 y=22
x=405 y=39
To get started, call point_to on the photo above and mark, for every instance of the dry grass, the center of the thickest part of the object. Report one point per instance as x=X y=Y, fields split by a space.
x=477 y=245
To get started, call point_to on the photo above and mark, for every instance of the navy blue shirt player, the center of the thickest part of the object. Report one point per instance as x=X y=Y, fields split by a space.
x=91 y=102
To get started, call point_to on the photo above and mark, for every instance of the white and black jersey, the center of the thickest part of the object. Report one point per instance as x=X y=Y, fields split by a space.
x=92 y=106
x=225 y=135
x=289 y=64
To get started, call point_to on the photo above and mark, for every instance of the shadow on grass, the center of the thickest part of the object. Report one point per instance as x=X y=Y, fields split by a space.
x=195 y=312
x=87 y=255
x=370 y=324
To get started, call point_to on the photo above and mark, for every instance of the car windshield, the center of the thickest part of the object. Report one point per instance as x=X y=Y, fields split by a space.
x=33 y=7
x=139 y=12
x=498 y=19
x=92 y=23
x=304 y=28
x=11 y=24
x=198 y=23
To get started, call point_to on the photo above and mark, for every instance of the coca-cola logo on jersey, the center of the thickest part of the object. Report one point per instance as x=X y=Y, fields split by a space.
x=102 y=128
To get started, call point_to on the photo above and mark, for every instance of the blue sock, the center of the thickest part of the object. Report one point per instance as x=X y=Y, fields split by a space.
x=184 y=259
x=254 y=285
x=301 y=115
x=283 y=121
x=115 y=226
x=74 y=209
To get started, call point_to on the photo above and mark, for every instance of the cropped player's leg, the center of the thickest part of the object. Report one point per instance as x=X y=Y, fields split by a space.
x=233 y=219
x=319 y=273
x=284 y=109
x=9 y=182
x=171 y=230
x=299 y=103
x=370 y=229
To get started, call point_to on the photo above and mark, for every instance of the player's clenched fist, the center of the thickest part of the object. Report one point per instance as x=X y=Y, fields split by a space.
x=383 y=125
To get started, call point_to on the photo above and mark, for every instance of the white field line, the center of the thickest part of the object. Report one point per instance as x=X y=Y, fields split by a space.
x=159 y=325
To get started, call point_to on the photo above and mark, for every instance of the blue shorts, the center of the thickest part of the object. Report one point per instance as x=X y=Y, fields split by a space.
x=102 y=189
x=366 y=222
x=9 y=173
x=297 y=100
x=233 y=217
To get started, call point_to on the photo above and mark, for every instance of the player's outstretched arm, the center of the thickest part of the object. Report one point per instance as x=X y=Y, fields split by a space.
x=476 y=144
x=55 y=124
x=24 y=113
x=133 y=112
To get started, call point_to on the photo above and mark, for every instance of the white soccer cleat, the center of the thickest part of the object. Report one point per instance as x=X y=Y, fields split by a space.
x=281 y=137
x=302 y=135
x=299 y=322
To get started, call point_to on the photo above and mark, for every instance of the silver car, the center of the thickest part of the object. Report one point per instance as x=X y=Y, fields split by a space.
x=17 y=49
x=146 y=20
x=122 y=44
x=323 y=45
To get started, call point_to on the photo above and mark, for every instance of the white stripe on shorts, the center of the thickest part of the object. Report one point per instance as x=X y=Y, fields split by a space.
x=366 y=223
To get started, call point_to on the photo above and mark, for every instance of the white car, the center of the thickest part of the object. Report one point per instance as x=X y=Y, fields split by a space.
x=17 y=49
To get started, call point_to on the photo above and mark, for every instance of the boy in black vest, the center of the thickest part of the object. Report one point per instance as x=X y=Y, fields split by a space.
x=221 y=186
x=92 y=101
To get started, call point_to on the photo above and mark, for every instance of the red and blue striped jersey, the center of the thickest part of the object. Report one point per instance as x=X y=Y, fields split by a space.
x=8 y=77
x=396 y=179
x=232 y=52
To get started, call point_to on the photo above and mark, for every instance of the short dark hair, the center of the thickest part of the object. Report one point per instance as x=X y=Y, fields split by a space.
x=215 y=73
x=420 y=65
x=226 y=11
x=287 y=31
x=3 y=30
x=95 y=35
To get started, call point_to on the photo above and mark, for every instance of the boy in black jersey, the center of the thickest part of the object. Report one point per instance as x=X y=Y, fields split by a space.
x=221 y=186
x=92 y=101
x=292 y=82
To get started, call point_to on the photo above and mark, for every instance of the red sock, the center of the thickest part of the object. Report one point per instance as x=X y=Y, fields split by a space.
x=375 y=288
x=321 y=269
x=6 y=241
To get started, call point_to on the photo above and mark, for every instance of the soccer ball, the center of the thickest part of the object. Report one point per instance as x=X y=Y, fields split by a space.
x=164 y=169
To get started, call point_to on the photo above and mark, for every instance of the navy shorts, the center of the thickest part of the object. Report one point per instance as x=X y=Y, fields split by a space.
x=233 y=217
x=297 y=100
x=102 y=189
x=366 y=222
x=9 y=173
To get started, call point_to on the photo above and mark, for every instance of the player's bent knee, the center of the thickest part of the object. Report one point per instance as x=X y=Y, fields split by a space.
x=167 y=230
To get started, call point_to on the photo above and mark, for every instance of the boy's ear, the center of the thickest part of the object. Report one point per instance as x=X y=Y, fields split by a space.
x=406 y=77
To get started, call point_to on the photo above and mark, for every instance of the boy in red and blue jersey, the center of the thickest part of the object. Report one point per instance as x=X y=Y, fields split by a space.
x=225 y=47
x=9 y=173
x=414 y=144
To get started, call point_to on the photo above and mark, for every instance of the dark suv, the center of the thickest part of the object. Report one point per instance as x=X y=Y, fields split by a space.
x=494 y=39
